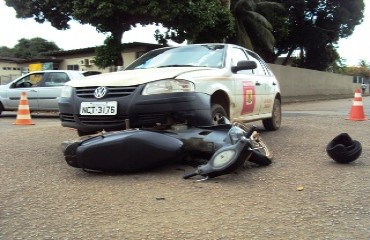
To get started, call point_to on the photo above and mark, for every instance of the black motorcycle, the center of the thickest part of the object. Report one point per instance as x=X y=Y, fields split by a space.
x=222 y=148
x=226 y=148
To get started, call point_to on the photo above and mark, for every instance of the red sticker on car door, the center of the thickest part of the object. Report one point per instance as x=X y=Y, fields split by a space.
x=249 y=97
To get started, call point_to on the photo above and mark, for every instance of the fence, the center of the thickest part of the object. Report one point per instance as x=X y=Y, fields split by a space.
x=299 y=84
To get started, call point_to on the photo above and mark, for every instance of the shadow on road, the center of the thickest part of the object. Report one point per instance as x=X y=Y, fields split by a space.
x=9 y=114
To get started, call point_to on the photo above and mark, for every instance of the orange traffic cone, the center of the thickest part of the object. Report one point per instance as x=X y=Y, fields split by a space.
x=23 y=115
x=357 y=110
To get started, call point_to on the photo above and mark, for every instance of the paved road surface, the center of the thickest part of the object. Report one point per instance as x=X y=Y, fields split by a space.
x=302 y=195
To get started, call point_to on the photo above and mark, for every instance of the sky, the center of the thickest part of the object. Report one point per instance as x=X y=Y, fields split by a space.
x=353 y=49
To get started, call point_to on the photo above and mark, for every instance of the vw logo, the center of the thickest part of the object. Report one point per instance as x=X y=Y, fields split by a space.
x=100 y=92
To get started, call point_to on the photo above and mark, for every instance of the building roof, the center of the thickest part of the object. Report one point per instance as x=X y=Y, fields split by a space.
x=53 y=56
x=92 y=49
x=10 y=59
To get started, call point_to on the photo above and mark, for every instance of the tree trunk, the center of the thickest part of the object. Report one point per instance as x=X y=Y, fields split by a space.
x=287 y=58
x=117 y=41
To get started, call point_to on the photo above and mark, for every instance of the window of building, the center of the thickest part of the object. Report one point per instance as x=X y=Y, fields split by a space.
x=73 y=67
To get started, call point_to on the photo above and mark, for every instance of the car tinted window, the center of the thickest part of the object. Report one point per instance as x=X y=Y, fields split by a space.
x=196 y=55
x=56 y=79
x=238 y=54
x=31 y=80
x=260 y=70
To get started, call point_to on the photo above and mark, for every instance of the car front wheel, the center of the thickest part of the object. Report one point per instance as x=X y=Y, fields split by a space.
x=274 y=122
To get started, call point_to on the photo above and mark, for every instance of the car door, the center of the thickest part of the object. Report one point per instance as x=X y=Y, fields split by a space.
x=248 y=87
x=264 y=80
x=50 y=90
x=267 y=81
x=28 y=84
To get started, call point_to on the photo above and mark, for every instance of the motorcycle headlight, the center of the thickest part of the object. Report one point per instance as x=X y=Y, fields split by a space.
x=223 y=158
x=66 y=92
x=168 y=86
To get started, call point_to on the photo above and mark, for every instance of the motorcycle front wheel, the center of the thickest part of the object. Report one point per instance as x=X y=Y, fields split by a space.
x=262 y=155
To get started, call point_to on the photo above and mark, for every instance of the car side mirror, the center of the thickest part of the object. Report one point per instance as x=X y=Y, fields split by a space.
x=244 y=65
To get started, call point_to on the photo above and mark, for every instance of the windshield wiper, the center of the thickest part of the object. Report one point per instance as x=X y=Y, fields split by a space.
x=177 y=65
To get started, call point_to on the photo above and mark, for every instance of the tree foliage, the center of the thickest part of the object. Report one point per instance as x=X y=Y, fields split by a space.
x=255 y=23
x=29 y=48
x=6 y=52
x=315 y=26
x=185 y=19
x=362 y=69
x=358 y=71
x=196 y=21
x=310 y=27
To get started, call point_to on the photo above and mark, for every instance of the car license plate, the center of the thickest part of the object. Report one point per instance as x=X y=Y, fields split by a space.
x=98 y=108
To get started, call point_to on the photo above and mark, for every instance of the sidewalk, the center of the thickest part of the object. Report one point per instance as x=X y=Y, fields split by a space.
x=310 y=98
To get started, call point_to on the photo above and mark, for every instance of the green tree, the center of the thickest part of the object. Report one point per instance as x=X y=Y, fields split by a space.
x=363 y=63
x=195 y=21
x=315 y=26
x=186 y=19
x=311 y=27
x=33 y=48
x=358 y=71
x=339 y=66
x=29 y=48
x=6 y=52
x=255 y=22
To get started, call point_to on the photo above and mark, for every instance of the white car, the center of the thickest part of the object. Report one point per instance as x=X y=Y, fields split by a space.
x=43 y=88
x=193 y=84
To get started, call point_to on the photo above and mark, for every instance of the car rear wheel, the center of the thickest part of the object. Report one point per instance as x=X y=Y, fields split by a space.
x=1 y=108
x=218 y=112
x=274 y=122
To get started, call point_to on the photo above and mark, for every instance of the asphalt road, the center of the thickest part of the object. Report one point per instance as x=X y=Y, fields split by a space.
x=303 y=195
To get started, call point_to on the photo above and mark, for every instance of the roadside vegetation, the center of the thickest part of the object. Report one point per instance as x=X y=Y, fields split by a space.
x=305 y=33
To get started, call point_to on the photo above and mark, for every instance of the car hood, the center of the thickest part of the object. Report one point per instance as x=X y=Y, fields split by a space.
x=137 y=76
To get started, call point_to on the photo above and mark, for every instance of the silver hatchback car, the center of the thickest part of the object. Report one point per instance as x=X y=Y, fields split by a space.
x=43 y=89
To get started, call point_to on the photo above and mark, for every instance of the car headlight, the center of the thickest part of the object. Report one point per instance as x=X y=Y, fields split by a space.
x=66 y=92
x=168 y=86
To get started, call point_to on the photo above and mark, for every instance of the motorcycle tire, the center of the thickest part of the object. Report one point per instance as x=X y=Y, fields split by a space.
x=262 y=156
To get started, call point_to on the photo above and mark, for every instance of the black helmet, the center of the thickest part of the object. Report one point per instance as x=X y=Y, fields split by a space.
x=343 y=149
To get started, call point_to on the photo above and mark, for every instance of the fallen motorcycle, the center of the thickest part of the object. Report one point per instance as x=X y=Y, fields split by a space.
x=223 y=148
x=237 y=147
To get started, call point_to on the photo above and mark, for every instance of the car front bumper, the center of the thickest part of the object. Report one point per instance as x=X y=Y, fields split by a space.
x=139 y=111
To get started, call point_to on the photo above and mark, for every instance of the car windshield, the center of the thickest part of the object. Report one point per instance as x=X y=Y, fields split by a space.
x=183 y=56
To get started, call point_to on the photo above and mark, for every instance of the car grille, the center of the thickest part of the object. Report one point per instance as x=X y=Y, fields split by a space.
x=95 y=120
x=103 y=120
x=88 y=92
